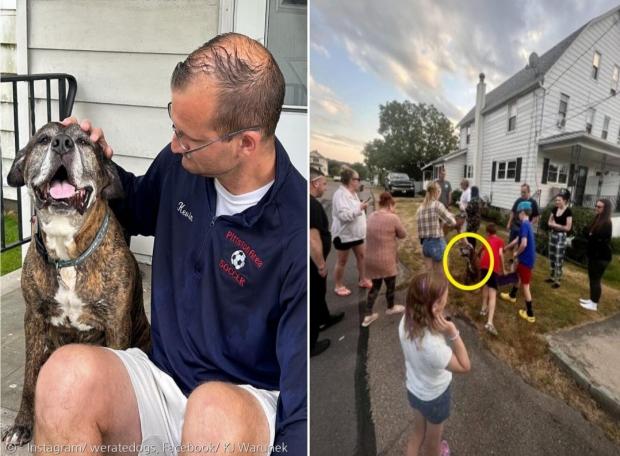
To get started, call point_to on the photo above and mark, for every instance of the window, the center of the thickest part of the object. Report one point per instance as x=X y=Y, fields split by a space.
x=563 y=110
x=512 y=116
x=467 y=134
x=557 y=174
x=507 y=170
x=286 y=38
x=605 y=127
x=501 y=170
x=596 y=63
x=511 y=170
x=590 y=120
x=615 y=76
x=470 y=171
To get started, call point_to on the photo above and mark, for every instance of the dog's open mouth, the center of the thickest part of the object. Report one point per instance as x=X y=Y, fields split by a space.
x=61 y=193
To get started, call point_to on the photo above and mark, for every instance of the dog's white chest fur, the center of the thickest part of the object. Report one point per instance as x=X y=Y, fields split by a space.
x=70 y=304
x=59 y=238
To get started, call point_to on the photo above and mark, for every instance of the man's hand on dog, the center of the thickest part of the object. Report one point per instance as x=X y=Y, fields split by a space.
x=96 y=134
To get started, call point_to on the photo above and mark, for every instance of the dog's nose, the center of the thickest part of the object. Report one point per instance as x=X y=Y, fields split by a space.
x=61 y=144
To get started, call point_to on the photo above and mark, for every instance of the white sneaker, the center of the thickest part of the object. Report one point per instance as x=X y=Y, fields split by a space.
x=584 y=300
x=588 y=305
x=397 y=309
x=369 y=319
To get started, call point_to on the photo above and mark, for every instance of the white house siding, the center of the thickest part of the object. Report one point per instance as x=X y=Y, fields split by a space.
x=578 y=84
x=454 y=171
x=501 y=145
x=7 y=65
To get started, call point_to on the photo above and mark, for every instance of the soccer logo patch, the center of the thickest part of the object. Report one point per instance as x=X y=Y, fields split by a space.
x=237 y=259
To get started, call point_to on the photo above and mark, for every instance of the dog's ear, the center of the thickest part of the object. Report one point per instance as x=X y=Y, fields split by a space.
x=114 y=187
x=15 y=178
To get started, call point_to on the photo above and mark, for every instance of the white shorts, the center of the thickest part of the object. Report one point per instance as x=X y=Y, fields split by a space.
x=161 y=404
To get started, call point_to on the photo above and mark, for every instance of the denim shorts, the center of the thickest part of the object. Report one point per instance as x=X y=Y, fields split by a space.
x=434 y=248
x=435 y=411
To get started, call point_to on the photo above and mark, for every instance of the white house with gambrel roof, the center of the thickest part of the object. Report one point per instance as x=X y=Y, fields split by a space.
x=554 y=124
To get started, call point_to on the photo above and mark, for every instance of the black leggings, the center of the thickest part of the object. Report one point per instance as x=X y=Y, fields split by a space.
x=596 y=269
x=390 y=283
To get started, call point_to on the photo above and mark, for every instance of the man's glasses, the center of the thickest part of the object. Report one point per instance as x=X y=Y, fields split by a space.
x=355 y=178
x=600 y=206
x=188 y=149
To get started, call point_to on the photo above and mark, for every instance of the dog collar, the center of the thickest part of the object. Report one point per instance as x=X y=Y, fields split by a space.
x=58 y=264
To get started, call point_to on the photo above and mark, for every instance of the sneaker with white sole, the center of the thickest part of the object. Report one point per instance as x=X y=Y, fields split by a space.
x=368 y=319
x=490 y=328
x=583 y=300
x=589 y=305
x=397 y=309
x=507 y=297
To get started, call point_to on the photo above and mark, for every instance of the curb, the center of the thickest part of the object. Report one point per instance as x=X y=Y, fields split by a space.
x=598 y=392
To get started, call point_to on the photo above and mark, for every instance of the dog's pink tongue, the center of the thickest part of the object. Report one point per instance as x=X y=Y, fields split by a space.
x=60 y=190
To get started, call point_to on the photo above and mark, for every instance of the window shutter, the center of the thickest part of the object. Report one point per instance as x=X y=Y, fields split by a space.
x=493 y=171
x=464 y=170
x=545 y=170
x=518 y=170
x=571 y=175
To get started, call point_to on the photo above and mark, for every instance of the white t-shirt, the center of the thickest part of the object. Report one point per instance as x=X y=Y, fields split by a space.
x=229 y=204
x=426 y=359
x=465 y=197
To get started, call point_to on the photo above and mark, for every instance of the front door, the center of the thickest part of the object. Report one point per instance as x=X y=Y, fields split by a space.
x=580 y=184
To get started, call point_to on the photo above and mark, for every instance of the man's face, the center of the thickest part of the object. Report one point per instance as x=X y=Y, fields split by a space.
x=319 y=185
x=355 y=182
x=192 y=112
x=442 y=174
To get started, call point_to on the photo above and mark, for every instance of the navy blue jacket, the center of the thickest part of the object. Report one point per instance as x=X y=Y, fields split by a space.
x=217 y=314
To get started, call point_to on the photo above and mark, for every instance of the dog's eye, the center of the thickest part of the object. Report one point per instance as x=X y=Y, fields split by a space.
x=82 y=142
x=44 y=140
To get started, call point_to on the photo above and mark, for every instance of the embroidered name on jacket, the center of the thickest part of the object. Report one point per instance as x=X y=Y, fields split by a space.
x=245 y=248
x=184 y=212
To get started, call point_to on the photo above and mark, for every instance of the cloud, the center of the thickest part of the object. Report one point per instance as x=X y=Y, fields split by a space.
x=413 y=45
x=320 y=49
x=325 y=102
x=337 y=147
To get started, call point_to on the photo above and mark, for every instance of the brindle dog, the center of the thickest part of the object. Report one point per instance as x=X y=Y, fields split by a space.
x=80 y=281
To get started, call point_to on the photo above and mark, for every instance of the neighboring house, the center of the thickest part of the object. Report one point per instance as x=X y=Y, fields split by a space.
x=554 y=124
x=123 y=53
x=318 y=161
x=7 y=66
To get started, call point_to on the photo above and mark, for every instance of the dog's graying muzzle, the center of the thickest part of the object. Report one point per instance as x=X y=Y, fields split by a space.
x=61 y=144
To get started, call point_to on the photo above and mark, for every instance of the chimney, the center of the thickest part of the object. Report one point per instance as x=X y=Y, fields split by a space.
x=477 y=156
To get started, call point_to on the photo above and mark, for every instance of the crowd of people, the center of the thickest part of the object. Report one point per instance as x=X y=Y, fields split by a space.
x=430 y=341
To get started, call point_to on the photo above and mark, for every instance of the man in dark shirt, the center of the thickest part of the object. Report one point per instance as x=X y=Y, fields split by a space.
x=514 y=224
x=320 y=243
x=446 y=188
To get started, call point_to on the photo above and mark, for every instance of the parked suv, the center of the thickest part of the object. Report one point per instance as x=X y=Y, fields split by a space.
x=399 y=183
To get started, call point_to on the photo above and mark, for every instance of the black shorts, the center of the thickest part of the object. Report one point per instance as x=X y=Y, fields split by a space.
x=339 y=245
x=492 y=282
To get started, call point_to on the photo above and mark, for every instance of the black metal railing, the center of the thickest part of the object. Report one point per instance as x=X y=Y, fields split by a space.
x=67 y=88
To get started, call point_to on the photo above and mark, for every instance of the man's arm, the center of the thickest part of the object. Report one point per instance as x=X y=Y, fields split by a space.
x=316 y=251
x=522 y=246
x=510 y=221
x=291 y=350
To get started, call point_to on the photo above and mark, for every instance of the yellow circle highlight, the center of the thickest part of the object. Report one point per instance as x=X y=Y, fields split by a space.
x=452 y=280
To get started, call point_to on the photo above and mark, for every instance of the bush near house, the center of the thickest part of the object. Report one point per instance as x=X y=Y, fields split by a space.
x=456 y=196
x=422 y=193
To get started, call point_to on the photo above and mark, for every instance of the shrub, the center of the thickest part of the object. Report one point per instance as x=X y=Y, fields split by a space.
x=456 y=196
x=422 y=192
x=615 y=245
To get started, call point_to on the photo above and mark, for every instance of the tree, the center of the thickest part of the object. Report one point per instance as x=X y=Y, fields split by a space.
x=361 y=169
x=412 y=135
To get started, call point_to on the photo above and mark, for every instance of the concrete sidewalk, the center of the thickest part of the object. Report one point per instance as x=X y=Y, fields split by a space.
x=590 y=354
x=13 y=345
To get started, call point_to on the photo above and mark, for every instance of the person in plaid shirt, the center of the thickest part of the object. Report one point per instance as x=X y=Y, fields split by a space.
x=430 y=216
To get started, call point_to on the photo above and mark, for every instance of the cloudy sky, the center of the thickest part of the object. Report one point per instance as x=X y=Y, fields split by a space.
x=364 y=53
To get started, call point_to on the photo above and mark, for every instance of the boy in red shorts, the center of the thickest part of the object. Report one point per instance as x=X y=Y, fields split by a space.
x=489 y=291
x=526 y=255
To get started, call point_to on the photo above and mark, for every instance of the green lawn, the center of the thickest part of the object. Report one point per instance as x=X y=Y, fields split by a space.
x=11 y=259
x=612 y=274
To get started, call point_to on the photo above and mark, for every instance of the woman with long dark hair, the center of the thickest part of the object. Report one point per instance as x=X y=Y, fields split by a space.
x=599 y=252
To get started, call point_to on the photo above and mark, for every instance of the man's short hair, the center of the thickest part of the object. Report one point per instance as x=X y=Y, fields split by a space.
x=526 y=186
x=346 y=174
x=250 y=85
x=315 y=173
x=465 y=183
